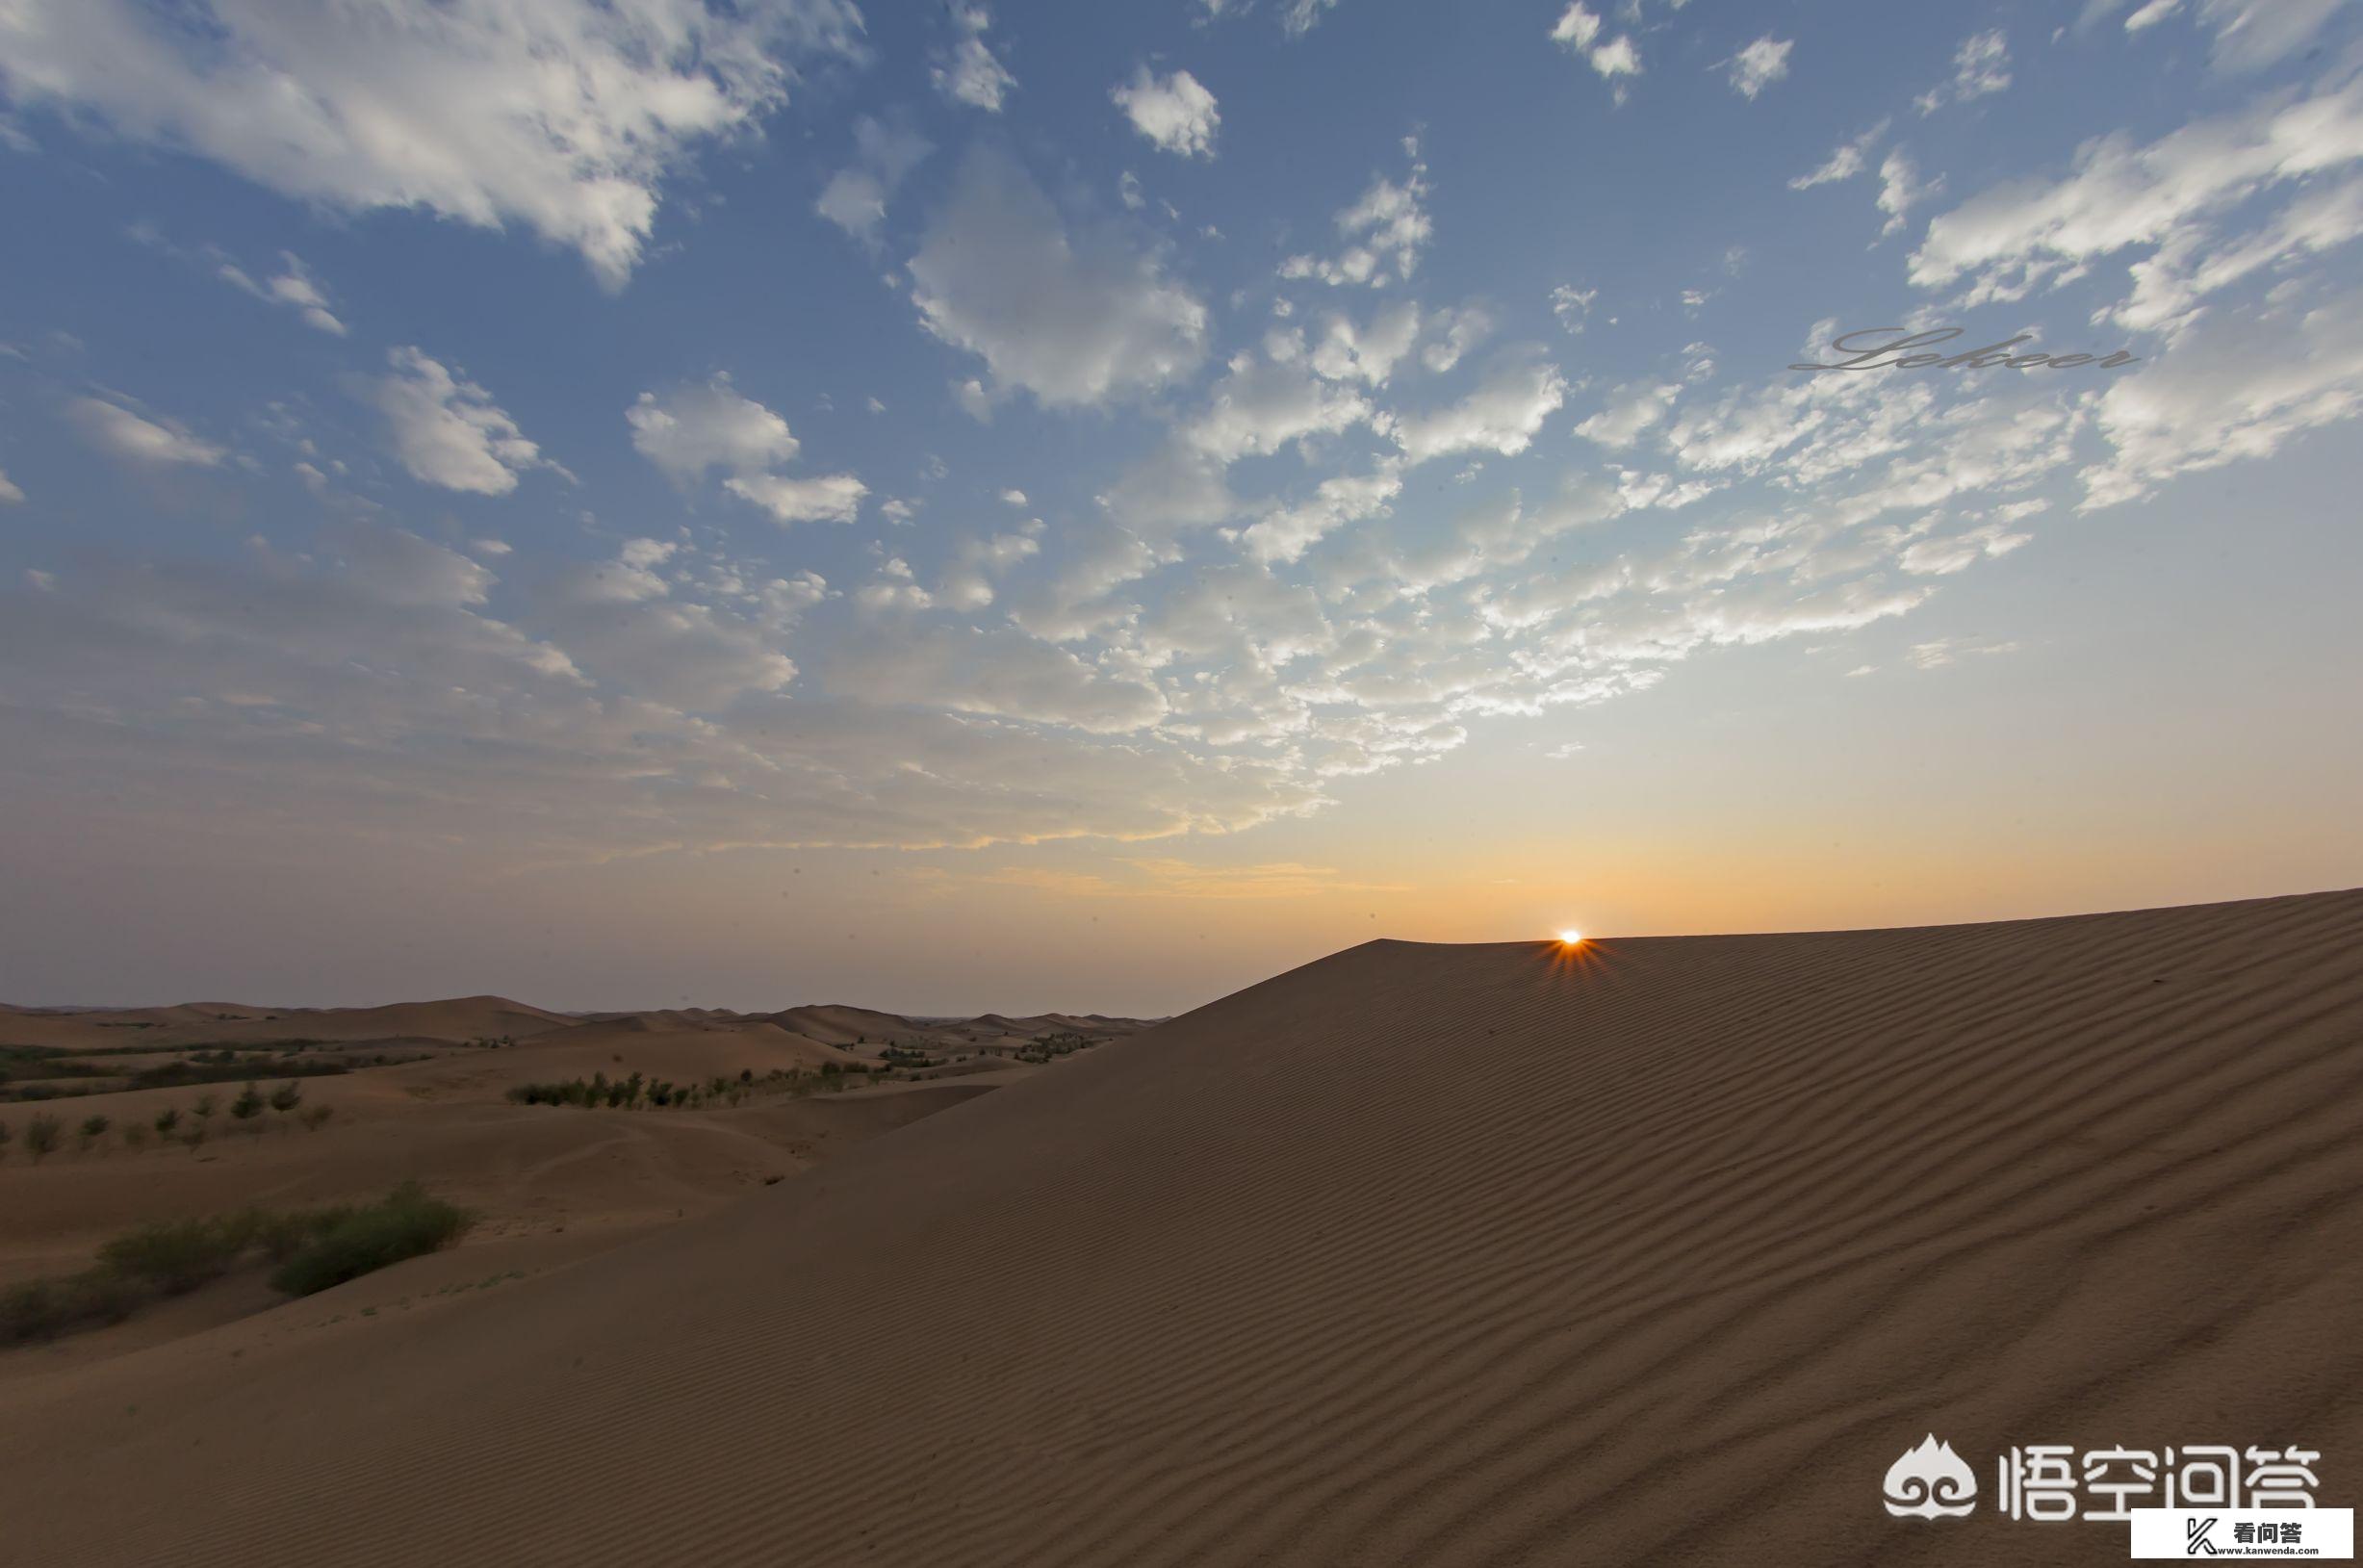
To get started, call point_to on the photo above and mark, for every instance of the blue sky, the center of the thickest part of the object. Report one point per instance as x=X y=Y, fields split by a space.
x=1156 y=490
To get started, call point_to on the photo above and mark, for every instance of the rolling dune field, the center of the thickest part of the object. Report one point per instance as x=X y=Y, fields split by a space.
x=1655 y=1250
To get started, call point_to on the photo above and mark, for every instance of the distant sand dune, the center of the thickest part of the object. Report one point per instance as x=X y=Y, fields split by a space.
x=1418 y=1255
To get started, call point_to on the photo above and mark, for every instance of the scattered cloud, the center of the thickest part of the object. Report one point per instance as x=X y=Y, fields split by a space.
x=1759 y=66
x=561 y=116
x=115 y=430
x=971 y=73
x=1981 y=67
x=689 y=431
x=1503 y=413
x=292 y=286
x=855 y=198
x=1074 y=317
x=1384 y=234
x=1173 y=111
x=446 y=429
x=1845 y=161
x=1578 y=31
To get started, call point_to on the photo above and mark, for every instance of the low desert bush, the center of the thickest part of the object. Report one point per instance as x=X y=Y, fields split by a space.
x=175 y=1255
x=406 y=1223
x=41 y=1308
x=311 y=1249
x=41 y=1135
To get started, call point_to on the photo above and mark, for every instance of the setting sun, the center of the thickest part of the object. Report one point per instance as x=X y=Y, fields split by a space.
x=1571 y=937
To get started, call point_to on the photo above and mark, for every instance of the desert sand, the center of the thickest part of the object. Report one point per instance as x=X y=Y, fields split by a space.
x=1660 y=1250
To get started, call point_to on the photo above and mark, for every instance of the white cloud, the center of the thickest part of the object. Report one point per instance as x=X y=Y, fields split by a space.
x=1001 y=673
x=691 y=430
x=978 y=562
x=1284 y=533
x=1630 y=412
x=2253 y=33
x=1900 y=189
x=447 y=431
x=1297 y=16
x=1452 y=334
x=971 y=73
x=1385 y=232
x=1760 y=64
x=1173 y=111
x=829 y=497
x=1943 y=650
x=1074 y=319
x=2013 y=238
x=1577 y=30
x=1572 y=306
x=1258 y=407
x=117 y=431
x=293 y=287
x=855 y=198
x=1947 y=553
x=2237 y=387
x=1845 y=161
x=10 y=493
x=563 y=117
x=1367 y=353
x=1502 y=415
x=1981 y=67
x=2194 y=262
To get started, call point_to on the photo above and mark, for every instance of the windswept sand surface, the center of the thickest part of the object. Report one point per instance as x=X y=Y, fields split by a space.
x=1418 y=1255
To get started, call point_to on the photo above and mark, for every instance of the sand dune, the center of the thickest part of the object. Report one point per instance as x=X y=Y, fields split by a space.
x=230 y=1023
x=1418 y=1255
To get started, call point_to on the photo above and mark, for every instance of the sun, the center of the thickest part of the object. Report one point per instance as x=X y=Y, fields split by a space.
x=1572 y=939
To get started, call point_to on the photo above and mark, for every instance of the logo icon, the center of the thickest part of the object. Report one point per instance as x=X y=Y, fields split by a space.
x=2197 y=1529
x=1930 y=1482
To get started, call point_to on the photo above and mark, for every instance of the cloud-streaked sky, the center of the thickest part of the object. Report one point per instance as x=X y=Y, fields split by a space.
x=993 y=505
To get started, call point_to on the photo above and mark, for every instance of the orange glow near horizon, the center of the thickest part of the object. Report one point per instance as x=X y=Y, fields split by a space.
x=1572 y=938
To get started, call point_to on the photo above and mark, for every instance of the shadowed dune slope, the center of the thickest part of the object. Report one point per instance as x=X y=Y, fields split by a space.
x=1418 y=1255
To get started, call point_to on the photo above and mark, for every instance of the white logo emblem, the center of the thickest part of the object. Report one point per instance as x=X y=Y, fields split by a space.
x=1931 y=1482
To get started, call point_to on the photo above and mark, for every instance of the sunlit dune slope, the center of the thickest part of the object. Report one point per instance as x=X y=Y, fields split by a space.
x=1418 y=1255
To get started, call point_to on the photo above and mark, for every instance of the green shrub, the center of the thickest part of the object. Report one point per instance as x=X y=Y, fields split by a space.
x=93 y=1129
x=175 y=1255
x=41 y=1308
x=406 y=1223
x=167 y=1119
x=41 y=1135
x=249 y=1103
x=286 y=1097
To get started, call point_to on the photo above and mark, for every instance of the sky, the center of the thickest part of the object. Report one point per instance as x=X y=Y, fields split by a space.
x=1021 y=507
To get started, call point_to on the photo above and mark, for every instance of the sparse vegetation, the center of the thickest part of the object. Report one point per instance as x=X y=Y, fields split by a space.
x=313 y=1248
x=41 y=1135
x=407 y=1223
x=93 y=1129
x=316 y=1116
